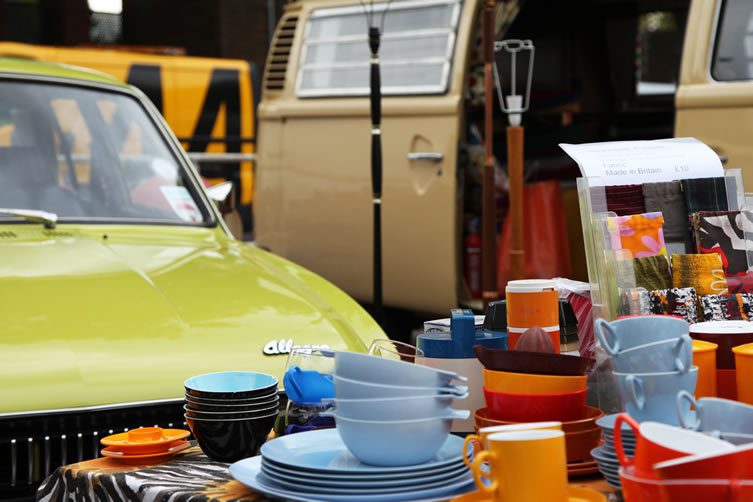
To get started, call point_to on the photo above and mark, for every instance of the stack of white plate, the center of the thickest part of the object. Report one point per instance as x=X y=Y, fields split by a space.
x=316 y=465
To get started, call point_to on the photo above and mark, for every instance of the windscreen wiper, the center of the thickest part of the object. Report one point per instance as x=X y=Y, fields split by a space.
x=34 y=215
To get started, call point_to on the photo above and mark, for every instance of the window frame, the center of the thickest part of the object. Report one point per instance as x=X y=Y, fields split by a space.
x=714 y=46
x=443 y=87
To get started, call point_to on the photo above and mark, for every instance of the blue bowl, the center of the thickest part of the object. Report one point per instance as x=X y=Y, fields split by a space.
x=230 y=385
x=396 y=443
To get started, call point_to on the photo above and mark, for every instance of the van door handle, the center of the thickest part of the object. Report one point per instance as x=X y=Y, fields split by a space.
x=432 y=156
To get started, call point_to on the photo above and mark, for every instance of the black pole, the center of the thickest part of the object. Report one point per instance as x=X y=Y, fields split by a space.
x=376 y=168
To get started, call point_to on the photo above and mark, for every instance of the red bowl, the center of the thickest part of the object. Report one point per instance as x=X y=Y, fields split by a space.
x=639 y=489
x=536 y=407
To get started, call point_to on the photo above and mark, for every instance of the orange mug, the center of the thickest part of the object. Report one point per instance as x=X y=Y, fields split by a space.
x=479 y=441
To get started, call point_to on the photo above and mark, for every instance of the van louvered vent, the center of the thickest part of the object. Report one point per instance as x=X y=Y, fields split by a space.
x=7 y=235
x=277 y=61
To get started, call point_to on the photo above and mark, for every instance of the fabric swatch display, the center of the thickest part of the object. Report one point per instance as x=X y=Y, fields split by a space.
x=652 y=272
x=721 y=232
x=700 y=271
x=640 y=234
x=745 y=300
x=625 y=200
x=705 y=194
x=680 y=302
x=721 y=308
x=666 y=197
x=740 y=283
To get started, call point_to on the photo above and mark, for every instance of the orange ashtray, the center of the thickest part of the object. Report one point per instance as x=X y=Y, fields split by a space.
x=167 y=451
x=145 y=440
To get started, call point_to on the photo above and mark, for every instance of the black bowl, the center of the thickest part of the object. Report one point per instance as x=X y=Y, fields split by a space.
x=231 y=440
x=230 y=415
x=231 y=385
x=232 y=408
x=541 y=363
x=231 y=402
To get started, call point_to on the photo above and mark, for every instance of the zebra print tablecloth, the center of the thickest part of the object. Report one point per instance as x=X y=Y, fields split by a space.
x=190 y=476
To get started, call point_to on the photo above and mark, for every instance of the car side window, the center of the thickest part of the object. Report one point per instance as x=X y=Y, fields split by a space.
x=733 y=51
x=415 y=54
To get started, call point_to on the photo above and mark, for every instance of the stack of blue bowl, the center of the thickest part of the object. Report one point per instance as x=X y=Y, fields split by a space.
x=231 y=413
x=393 y=413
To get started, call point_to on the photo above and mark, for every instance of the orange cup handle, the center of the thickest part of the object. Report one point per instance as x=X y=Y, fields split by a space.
x=624 y=417
x=477 y=447
x=479 y=475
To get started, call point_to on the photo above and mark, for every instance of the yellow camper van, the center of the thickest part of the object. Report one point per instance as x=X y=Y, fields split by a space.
x=207 y=102
x=604 y=71
x=715 y=97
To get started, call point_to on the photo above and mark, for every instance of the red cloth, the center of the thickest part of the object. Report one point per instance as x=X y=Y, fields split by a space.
x=547 y=253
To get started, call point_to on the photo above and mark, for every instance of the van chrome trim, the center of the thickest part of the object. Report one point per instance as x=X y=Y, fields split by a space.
x=103 y=407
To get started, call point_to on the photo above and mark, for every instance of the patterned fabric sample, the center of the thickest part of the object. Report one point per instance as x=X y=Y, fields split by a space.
x=652 y=272
x=635 y=302
x=721 y=308
x=641 y=234
x=700 y=271
x=745 y=301
x=625 y=200
x=189 y=476
x=674 y=301
x=666 y=197
x=721 y=232
x=740 y=283
x=705 y=194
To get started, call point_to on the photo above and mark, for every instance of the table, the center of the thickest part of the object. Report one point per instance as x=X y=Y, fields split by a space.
x=189 y=476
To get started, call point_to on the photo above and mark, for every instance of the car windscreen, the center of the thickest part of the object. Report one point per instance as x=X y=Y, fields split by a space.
x=89 y=155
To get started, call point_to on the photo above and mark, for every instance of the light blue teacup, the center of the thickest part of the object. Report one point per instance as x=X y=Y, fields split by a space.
x=730 y=420
x=657 y=357
x=633 y=332
x=653 y=396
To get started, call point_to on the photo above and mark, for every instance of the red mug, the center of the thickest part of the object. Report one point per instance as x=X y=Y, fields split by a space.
x=733 y=464
x=657 y=442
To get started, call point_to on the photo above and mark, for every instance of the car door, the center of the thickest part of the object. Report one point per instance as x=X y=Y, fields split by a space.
x=317 y=159
x=715 y=97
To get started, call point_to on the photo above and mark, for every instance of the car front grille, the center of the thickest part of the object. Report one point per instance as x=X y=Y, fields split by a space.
x=32 y=447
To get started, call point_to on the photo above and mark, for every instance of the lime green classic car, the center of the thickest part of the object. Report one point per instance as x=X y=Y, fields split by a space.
x=118 y=277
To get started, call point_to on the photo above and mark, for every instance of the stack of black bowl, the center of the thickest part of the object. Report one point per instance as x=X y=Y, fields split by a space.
x=231 y=413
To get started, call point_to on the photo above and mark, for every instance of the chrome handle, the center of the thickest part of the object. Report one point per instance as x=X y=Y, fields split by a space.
x=432 y=156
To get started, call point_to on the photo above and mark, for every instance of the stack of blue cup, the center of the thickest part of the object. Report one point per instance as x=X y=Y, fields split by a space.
x=653 y=362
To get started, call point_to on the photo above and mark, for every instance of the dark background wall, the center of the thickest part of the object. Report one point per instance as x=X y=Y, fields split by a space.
x=213 y=28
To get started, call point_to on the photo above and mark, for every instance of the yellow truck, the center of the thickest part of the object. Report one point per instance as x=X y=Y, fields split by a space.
x=207 y=102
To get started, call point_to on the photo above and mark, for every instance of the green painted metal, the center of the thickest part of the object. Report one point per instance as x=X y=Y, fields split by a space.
x=96 y=315
x=39 y=68
x=93 y=315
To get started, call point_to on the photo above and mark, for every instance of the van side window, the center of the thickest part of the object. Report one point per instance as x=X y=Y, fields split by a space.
x=416 y=50
x=733 y=52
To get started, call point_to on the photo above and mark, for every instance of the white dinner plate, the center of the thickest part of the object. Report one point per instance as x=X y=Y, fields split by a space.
x=323 y=451
x=248 y=472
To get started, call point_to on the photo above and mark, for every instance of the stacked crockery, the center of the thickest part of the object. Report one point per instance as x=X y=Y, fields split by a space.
x=392 y=440
x=231 y=413
x=392 y=413
x=653 y=361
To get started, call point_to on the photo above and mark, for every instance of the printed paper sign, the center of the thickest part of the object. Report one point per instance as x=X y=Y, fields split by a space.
x=182 y=203
x=636 y=162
